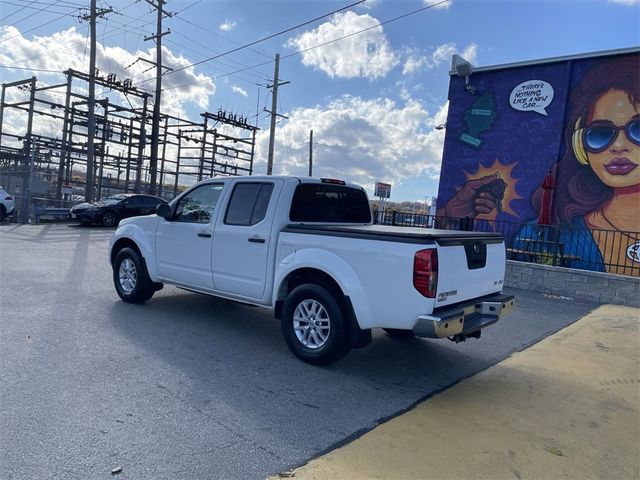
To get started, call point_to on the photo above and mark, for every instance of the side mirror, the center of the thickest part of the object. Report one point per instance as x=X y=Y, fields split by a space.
x=163 y=210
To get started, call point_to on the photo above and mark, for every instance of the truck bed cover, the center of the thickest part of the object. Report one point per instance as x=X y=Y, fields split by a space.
x=397 y=234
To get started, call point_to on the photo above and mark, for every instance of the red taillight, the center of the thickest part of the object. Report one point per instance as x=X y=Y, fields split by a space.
x=425 y=272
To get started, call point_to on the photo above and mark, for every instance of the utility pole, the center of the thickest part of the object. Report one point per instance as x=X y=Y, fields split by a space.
x=91 y=119
x=155 y=122
x=274 y=106
x=311 y=153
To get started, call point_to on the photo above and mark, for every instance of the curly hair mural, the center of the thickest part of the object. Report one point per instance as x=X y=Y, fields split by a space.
x=573 y=147
x=602 y=149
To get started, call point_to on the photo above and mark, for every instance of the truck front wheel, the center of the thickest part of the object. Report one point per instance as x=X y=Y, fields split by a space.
x=313 y=325
x=130 y=277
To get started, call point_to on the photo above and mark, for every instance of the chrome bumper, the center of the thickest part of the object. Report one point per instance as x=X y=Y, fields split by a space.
x=464 y=318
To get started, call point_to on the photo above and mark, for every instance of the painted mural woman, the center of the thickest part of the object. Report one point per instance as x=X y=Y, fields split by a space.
x=598 y=178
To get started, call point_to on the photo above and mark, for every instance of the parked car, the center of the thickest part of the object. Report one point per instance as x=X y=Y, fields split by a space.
x=7 y=204
x=109 y=211
x=307 y=248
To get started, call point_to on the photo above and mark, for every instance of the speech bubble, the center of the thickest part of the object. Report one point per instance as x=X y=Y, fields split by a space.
x=532 y=95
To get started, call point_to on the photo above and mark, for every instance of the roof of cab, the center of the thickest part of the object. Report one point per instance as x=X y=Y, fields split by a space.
x=258 y=178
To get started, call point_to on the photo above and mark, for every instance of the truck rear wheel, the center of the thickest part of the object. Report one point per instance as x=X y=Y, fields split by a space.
x=130 y=277
x=313 y=325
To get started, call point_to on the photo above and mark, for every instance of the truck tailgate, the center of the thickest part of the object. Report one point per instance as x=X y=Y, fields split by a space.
x=470 y=266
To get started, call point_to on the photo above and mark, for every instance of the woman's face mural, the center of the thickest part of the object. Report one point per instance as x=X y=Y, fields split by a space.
x=611 y=140
x=578 y=122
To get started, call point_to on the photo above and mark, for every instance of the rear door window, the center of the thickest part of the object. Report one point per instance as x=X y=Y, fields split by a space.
x=326 y=203
x=248 y=204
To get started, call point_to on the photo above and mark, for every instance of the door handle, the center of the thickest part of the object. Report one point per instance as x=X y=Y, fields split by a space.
x=256 y=240
x=204 y=235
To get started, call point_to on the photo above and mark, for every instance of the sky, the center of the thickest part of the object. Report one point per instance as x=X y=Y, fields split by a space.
x=372 y=98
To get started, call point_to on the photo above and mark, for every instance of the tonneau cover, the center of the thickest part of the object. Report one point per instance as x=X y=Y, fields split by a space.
x=397 y=234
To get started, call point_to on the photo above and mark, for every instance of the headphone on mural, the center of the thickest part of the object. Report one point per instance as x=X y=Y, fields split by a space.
x=578 y=146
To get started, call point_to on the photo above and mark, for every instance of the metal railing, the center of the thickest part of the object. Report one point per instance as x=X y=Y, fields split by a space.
x=609 y=251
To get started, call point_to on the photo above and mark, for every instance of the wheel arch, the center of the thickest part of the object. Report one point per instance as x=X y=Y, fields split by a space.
x=133 y=237
x=302 y=275
x=124 y=243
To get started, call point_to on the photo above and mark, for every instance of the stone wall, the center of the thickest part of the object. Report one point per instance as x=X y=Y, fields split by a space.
x=575 y=284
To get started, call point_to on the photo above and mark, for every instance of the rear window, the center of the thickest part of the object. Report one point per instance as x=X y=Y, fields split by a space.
x=326 y=203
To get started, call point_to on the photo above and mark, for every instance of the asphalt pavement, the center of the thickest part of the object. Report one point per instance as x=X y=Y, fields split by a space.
x=189 y=386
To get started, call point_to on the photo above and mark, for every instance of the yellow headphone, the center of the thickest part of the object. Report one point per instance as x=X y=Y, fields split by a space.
x=578 y=147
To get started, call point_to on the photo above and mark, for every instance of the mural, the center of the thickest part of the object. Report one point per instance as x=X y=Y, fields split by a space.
x=550 y=144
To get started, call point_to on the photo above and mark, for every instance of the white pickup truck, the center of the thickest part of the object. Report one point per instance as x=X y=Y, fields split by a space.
x=307 y=248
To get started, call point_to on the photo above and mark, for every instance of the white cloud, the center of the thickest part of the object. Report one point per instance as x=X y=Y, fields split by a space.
x=437 y=3
x=359 y=140
x=470 y=53
x=443 y=53
x=413 y=64
x=227 y=26
x=628 y=3
x=66 y=49
x=370 y=4
x=415 y=61
x=239 y=90
x=367 y=54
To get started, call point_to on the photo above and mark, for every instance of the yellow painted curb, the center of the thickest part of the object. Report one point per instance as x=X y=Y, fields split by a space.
x=568 y=407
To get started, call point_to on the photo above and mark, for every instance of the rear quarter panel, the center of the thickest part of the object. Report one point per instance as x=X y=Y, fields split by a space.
x=376 y=275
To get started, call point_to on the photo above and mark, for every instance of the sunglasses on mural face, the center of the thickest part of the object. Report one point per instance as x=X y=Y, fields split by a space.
x=599 y=137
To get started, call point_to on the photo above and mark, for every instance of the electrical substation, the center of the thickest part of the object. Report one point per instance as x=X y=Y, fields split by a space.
x=44 y=138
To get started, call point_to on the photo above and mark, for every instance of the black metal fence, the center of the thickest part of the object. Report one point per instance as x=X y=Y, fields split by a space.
x=578 y=247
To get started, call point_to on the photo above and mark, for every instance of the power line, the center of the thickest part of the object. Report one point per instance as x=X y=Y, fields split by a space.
x=30 y=69
x=219 y=35
x=31 y=15
x=28 y=6
x=379 y=24
x=253 y=82
x=187 y=7
x=36 y=27
x=40 y=2
x=262 y=39
x=260 y=75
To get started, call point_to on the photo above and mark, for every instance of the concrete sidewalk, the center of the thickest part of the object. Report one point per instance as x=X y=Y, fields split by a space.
x=567 y=407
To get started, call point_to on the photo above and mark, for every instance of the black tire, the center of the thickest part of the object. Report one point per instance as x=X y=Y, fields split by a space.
x=327 y=340
x=109 y=219
x=399 y=333
x=130 y=277
x=3 y=213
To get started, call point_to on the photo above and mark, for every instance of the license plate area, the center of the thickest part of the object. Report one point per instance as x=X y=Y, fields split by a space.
x=476 y=254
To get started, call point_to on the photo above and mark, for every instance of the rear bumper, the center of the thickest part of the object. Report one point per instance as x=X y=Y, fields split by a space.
x=464 y=318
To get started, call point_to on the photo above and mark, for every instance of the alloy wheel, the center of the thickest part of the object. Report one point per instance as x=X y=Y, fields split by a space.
x=109 y=219
x=127 y=275
x=311 y=324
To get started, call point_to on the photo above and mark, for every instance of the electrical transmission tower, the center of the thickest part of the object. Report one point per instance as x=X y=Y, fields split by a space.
x=155 y=121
